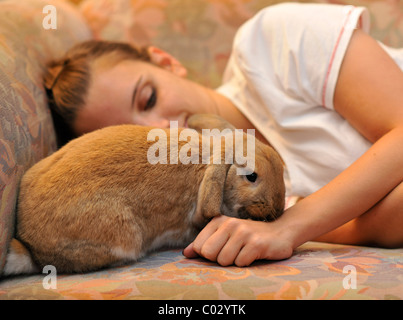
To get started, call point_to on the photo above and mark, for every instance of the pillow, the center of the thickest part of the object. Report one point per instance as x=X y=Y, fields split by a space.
x=26 y=128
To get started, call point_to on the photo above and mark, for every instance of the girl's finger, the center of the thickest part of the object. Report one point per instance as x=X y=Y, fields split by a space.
x=210 y=247
x=193 y=250
x=189 y=253
x=207 y=232
x=230 y=251
x=246 y=256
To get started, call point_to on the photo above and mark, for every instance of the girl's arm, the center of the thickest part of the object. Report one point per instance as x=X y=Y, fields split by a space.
x=369 y=94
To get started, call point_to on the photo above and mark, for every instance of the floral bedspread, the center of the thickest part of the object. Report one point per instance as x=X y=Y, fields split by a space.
x=200 y=35
x=317 y=271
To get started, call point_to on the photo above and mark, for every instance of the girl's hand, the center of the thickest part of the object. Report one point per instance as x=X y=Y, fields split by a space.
x=234 y=241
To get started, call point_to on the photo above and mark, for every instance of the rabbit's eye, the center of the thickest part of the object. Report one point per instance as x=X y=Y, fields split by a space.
x=251 y=177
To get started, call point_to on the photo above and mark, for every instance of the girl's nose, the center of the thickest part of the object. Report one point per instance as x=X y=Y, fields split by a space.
x=154 y=121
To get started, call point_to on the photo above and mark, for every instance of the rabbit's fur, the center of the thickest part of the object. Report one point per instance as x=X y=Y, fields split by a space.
x=98 y=201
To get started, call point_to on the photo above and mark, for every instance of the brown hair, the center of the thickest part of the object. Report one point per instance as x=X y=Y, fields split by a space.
x=67 y=80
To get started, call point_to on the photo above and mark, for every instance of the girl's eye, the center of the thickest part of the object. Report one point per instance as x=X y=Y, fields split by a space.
x=151 y=100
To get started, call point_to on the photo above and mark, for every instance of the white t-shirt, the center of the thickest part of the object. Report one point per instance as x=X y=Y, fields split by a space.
x=282 y=74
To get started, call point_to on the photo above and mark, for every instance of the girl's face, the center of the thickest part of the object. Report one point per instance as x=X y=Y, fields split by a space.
x=137 y=92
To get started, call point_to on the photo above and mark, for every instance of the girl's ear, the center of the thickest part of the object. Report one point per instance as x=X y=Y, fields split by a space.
x=165 y=60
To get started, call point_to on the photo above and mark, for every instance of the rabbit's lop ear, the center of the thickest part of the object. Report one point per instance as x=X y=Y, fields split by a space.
x=211 y=192
x=208 y=121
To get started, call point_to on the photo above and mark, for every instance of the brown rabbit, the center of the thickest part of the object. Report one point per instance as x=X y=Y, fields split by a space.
x=98 y=201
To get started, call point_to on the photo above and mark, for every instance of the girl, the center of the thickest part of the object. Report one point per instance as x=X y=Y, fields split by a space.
x=313 y=84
